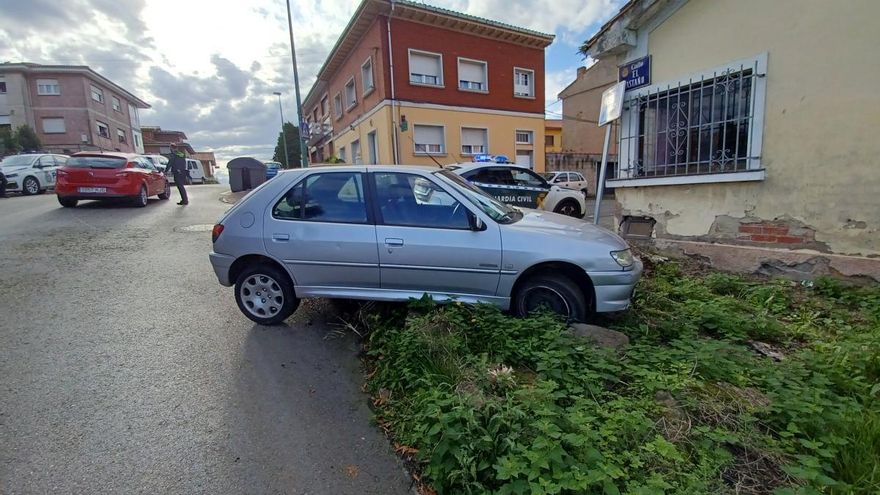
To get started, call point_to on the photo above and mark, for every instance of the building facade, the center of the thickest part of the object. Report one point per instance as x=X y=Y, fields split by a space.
x=552 y=136
x=208 y=161
x=740 y=148
x=158 y=141
x=419 y=85
x=71 y=108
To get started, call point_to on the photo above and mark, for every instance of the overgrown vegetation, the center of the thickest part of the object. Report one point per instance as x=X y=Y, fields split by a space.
x=484 y=403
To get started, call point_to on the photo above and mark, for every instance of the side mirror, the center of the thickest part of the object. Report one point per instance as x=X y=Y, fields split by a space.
x=476 y=223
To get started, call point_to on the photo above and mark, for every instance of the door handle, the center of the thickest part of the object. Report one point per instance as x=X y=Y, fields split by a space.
x=280 y=237
x=393 y=242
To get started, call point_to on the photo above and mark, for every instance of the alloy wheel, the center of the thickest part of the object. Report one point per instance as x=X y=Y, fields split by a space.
x=31 y=186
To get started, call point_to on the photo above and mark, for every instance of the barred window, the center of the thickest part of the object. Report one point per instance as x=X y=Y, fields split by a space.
x=704 y=126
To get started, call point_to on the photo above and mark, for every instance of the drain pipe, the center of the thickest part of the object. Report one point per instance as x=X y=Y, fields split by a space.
x=394 y=138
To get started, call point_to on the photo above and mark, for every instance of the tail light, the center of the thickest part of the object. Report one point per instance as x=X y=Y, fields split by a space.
x=216 y=231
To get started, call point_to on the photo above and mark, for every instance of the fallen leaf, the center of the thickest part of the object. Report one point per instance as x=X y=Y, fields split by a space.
x=352 y=471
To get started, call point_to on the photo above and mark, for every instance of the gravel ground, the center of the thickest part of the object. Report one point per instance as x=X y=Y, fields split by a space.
x=126 y=368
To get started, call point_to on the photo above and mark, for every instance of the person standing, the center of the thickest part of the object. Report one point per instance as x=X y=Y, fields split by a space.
x=3 y=183
x=177 y=166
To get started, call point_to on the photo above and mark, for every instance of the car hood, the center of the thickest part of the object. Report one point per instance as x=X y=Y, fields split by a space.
x=562 y=226
x=11 y=169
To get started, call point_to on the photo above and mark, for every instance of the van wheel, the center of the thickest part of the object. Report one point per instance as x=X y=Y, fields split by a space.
x=569 y=207
x=265 y=295
x=553 y=292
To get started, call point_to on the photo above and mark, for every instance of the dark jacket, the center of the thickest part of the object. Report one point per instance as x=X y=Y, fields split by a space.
x=176 y=163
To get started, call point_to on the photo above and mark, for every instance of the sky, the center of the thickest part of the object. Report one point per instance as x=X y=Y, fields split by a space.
x=209 y=67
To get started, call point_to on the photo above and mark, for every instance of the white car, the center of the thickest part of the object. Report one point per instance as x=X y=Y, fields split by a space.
x=159 y=161
x=571 y=180
x=520 y=186
x=31 y=173
x=196 y=172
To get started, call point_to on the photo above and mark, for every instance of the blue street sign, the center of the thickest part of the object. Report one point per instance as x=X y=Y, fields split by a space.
x=636 y=73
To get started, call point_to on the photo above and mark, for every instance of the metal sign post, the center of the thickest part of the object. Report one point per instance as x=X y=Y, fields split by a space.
x=612 y=107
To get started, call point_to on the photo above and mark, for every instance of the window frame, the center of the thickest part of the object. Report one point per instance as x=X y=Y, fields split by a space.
x=461 y=140
x=530 y=133
x=368 y=210
x=442 y=80
x=98 y=125
x=352 y=82
x=377 y=211
x=325 y=106
x=63 y=125
x=754 y=169
x=351 y=145
x=533 y=83
x=364 y=88
x=121 y=136
x=115 y=103
x=42 y=82
x=338 y=109
x=93 y=90
x=443 y=147
x=3 y=87
x=551 y=138
x=485 y=64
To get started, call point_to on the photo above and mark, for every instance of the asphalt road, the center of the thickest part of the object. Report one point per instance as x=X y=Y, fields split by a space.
x=126 y=368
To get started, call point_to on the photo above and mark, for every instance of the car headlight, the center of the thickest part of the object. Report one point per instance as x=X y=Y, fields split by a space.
x=9 y=176
x=623 y=258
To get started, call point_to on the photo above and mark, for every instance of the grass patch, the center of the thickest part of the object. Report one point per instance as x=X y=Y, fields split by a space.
x=485 y=403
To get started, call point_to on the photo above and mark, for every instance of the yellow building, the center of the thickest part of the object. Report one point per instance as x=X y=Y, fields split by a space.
x=419 y=85
x=552 y=136
x=749 y=135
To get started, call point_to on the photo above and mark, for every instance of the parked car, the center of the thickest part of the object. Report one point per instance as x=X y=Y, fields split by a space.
x=90 y=175
x=31 y=173
x=159 y=161
x=571 y=180
x=195 y=171
x=386 y=233
x=522 y=187
x=272 y=169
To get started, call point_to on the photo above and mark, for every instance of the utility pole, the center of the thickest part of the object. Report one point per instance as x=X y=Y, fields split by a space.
x=303 y=149
x=283 y=135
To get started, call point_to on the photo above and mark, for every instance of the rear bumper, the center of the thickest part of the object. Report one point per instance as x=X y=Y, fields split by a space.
x=112 y=191
x=221 y=264
x=614 y=290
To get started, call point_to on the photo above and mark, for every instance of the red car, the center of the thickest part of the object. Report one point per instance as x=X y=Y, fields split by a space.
x=95 y=175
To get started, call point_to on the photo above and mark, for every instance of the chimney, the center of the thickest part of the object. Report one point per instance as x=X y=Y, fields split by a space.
x=581 y=71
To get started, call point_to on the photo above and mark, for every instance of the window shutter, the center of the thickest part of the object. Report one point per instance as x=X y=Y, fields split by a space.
x=424 y=64
x=428 y=134
x=471 y=71
x=473 y=137
x=53 y=125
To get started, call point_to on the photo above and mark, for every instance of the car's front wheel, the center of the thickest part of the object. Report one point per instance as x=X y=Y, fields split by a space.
x=553 y=292
x=265 y=295
x=569 y=207
x=30 y=186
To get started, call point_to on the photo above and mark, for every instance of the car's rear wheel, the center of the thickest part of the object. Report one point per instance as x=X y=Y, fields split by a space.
x=141 y=199
x=167 y=193
x=569 y=207
x=265 y=295
x=30 y=186
x=553 y=292
x=68 y=202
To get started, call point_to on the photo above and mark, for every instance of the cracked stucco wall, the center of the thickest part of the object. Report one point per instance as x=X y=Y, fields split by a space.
x=821 y=126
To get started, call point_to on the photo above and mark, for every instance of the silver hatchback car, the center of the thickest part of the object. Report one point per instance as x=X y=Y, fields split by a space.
x=392 y=233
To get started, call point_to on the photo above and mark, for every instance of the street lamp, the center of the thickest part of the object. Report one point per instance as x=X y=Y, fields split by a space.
x=283 y=135
x=303 y=149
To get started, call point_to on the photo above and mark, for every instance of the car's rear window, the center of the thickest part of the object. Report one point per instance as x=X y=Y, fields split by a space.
x=96 y=162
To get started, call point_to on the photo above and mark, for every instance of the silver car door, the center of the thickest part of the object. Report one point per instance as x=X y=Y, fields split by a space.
x=320 y=229
x=426 y=243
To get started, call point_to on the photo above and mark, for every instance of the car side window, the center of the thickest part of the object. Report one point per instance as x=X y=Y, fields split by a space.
x=45 y=161
x=411 y=200
x=527 y=178
x=60 y=160
x=577 y=177
x=325 y=197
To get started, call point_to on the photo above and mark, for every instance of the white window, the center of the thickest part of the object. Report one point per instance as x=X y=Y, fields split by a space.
x=54 y=125
x=373 y=148
x=704 y=127
x=97 y=94
x=324 y=104
x=120 y=135
x=523 y=82
x=425 y=68
x=356 y=152
x=48 y=87
x=474 y=141
x=525 y=137
x=350 y=95
x=342 y=153
x=116 y=105
x=103 y=129
x=472 y=75
x=337 y=105
x=367 y=76
x=429 y=139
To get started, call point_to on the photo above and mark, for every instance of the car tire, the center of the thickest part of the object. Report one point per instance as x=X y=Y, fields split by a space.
x=568 y=207
x=141 y=199
x=558 y=292
x=167 y=193
x=68 y=202
x=30 y=186
x=252 y=287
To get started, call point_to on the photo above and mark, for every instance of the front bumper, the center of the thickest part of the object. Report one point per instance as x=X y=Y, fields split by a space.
x=614 y=290
x=221 y=264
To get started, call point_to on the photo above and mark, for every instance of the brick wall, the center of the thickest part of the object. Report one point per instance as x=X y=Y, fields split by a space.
x=774 y=233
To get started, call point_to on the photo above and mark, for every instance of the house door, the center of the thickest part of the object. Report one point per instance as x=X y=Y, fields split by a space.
x=524 y=159
x=373 y=148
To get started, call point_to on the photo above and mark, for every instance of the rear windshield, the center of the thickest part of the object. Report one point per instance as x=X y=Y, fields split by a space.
x=96 y=162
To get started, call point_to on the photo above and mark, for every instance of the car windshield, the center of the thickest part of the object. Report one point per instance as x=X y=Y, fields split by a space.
x=96 y=162
x=17 y=160
x=499 y=211
x=548 y=176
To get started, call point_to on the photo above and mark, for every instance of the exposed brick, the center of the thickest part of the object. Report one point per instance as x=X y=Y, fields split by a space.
x=763 y=238
x=775 y=230
x=787 y=239
x=751 y=229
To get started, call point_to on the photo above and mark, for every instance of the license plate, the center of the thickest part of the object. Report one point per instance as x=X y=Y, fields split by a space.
x=93 y=189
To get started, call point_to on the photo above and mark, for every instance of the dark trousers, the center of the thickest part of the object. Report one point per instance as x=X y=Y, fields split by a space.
x=3 y=183
x=179 y=180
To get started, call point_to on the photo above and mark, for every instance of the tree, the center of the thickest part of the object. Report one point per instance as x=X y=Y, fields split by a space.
x=27 y=138
x=291 y=134
x=8 y=145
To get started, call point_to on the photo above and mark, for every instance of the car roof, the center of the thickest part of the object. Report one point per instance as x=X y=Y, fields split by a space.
x=468 y=166
x=371 y=168
x=111 y=154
